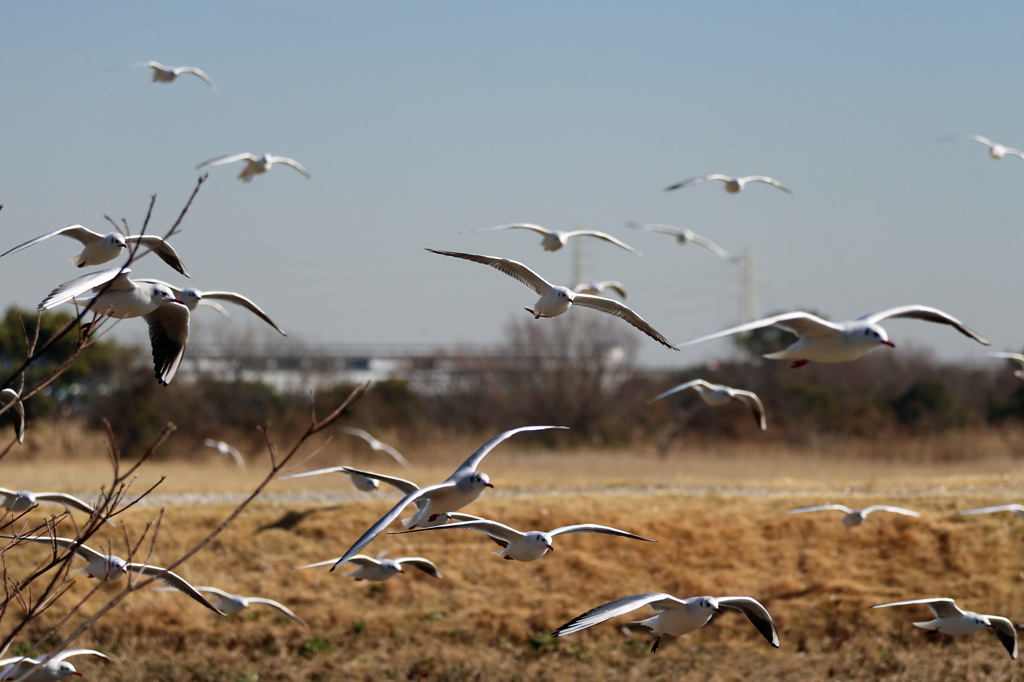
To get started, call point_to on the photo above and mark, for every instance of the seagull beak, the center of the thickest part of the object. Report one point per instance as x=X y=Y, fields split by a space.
x=488 y=485
x=551 y=548
x=890 y=344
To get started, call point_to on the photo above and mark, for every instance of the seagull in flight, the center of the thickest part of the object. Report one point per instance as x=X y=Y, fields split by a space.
x=733 y=185
x=254 y=165
x=531 y=545
x=555 y=300
x=108 y=567
x=167 y=74
x=555 y=239
x=193 y=298
x=996 y=150
x=236 y=603
x=461 y=488
x=99 y=248
x=950 y=620
x=165 y=314
x=26 y=669
x=675 y=616
x=822 y=341
x=854 y=517
x=17 y=501
x=376 y=445
x=717 y=395
x=380 y=569
x=685 y=236
x=226 y=450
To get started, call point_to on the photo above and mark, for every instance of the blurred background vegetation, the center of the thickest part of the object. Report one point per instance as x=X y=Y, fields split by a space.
x=575 y=372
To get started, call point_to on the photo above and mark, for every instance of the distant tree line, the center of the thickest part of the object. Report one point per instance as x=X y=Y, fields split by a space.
x=578 y=372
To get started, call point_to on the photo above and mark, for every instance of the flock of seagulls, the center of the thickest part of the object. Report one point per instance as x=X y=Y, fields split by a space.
x=166 y=308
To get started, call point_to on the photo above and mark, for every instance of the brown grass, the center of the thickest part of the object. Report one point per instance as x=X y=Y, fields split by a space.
x=716 y=512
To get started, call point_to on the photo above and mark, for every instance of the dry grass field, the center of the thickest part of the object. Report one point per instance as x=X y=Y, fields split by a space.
x=716 y=511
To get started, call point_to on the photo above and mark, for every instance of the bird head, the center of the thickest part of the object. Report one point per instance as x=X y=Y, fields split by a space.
x=877 y=334
x=115 y=239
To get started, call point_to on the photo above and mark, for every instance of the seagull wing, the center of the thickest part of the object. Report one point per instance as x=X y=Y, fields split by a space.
x=887 y=508
x=1016 y=357
x=514 y=269
x=424 y=565
x=9 y=396
x=757 y=614
x=503 y=534
x=1016 y=508
x=623 y=311
x=162 y=248
x=656 y=227
x=601 y=235
x=377 y=528
x=928 y=314
x=694 y=181
x=67 y=500
x=289 y=162
x=770 y=181
x=198 y=72
x=174 y=580
x=474 y=460
x=982 y=139
x=756 y=405
x=1006 y=632
x=68 y=653
x=595 y=528
x=804 y=324
x=80 y=285
x=612 y=609
x=238 y=299
x=821 y=507
x=680 y=387
x=280 y=607
x=315 y=472
x=168 y=335
x=79 y=232
x=525 y=226
x=376 y=444
x=230 y=158
x=710 y=246
x=942 y=607
x=83 y=551
x=405 y=487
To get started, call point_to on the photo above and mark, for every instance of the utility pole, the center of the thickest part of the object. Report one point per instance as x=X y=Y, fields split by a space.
x=748 y=287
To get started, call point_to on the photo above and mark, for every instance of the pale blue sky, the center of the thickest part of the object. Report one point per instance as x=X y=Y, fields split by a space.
x=421 y=121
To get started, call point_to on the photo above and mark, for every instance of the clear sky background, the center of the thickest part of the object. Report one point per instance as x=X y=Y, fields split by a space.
x=422 y=121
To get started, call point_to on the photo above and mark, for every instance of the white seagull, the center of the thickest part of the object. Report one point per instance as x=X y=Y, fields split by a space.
x=255 y=165
x=380 y=569
x=685 y=236
x=950 y=620
x=854 y=517
x=732 y=184
x=100 y=248
x=17 y=501
x=193 y=298
x=717 y=395
x=597 y=288
x=1016 y=357
x=996 y=150
x=823 y=341
x=555 y=300
x=55 y=667
x=675 y=616
x=108 y=567
x=461 y=488
x=9 y=396
x=555 y=239
x=1017 y=509
x=376 y=445
x=166 y=315
x=226 y=450
x=517 y=545
x=167 y=74
x=236 y=603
